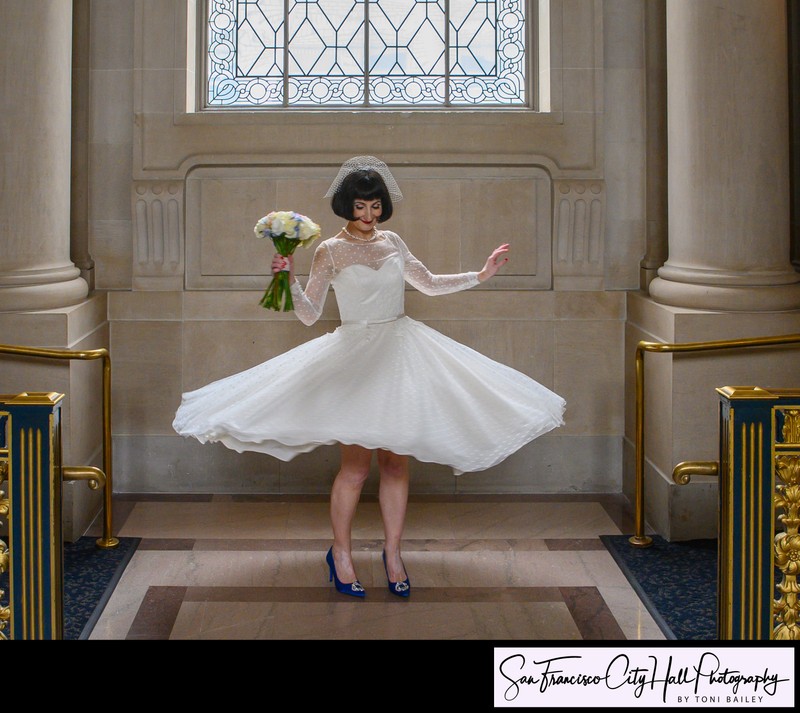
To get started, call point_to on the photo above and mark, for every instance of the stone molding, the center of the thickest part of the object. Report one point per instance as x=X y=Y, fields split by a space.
x=158 y=234
x=578 y=228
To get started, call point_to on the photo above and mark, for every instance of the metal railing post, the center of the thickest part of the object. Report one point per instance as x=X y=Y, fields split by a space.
x=107 y=540
x=639 y=539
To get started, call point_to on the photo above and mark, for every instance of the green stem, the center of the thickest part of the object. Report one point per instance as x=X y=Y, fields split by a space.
x=278 y=295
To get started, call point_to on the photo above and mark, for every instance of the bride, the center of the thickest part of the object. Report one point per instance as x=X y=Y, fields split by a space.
x=382 y=383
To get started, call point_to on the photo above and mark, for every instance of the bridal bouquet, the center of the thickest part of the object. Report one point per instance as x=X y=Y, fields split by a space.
x=287 y=230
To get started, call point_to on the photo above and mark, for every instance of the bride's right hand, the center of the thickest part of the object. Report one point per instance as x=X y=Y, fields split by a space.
x=281 y=263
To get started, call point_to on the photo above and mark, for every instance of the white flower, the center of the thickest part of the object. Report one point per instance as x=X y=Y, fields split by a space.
x=308 y=231
x=277 y=227
x=262 y=227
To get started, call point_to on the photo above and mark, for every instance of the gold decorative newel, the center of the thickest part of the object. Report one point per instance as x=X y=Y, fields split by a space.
x=31 y=445
x=759 y=512
x=758 y=546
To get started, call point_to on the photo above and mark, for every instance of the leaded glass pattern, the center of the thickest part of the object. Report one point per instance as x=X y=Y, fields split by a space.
x=427 y=53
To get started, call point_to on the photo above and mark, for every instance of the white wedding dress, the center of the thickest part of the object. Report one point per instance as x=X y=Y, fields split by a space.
x=380 y=380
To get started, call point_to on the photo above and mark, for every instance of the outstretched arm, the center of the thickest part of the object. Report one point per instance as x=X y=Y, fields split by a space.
x=494 y=262
x=420 y=277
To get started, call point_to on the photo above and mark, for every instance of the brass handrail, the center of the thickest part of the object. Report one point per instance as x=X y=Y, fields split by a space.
x=107 y=540
x=683 y=472
x=639 y=539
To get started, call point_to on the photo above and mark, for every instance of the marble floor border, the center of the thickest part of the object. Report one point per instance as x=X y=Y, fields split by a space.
x=161 y=605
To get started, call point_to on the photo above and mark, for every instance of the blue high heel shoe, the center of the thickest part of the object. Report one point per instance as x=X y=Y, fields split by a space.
x=401 y=589
x=354 y=589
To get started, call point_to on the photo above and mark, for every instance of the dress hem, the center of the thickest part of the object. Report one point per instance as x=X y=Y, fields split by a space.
x=287 y=452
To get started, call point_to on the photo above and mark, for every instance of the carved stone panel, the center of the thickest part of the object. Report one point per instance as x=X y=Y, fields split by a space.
x=450 y=219
x=158 y=235
x=578 y=235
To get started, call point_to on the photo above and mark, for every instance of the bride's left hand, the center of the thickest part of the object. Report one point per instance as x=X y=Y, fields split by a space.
x=494 y=262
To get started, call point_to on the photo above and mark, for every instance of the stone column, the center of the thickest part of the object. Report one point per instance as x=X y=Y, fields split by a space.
x=35 y=51
x=728 y=139
x=656 y=137
x=81 y=55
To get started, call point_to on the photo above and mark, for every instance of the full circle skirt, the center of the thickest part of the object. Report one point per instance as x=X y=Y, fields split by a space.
x=399 y=385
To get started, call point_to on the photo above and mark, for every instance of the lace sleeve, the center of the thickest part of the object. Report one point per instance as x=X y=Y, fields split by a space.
x=308 y=303
x=418 y=276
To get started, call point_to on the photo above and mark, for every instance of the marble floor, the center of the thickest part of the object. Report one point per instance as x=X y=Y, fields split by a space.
x=520 y=567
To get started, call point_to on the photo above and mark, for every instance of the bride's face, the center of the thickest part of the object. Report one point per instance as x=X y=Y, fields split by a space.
x=366 y=213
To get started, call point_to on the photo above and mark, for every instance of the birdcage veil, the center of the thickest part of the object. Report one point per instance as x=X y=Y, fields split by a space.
x=360 y=163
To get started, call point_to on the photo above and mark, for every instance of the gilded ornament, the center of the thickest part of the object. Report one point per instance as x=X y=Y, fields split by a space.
x=5 y=612
x=786 y=609
x=791 y=427
x=787 y=553
x=5 y=617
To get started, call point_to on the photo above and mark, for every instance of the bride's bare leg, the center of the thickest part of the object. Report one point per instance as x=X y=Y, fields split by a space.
x=393 y=496
x=345 y=494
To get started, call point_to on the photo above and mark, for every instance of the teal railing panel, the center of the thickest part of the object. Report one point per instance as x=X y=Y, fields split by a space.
x=32 y=437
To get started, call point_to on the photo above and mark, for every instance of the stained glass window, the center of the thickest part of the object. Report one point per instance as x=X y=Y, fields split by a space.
x=304 y=53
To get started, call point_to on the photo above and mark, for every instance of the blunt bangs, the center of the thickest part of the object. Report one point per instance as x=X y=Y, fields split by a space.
x=365 y=185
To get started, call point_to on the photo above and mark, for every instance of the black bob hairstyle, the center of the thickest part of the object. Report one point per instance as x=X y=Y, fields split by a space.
x=365 y=184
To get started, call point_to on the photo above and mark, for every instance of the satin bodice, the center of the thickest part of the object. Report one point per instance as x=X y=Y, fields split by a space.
x=365 y=294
